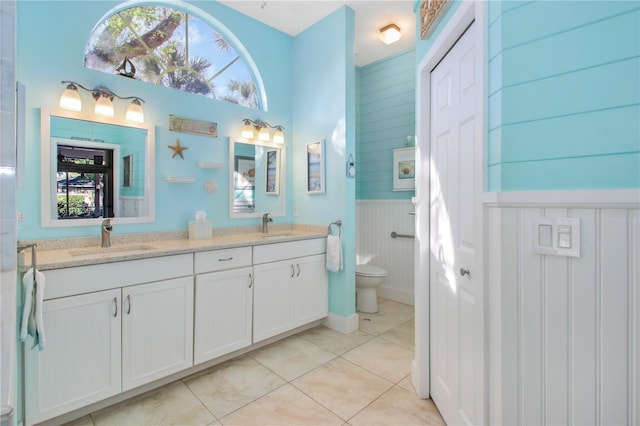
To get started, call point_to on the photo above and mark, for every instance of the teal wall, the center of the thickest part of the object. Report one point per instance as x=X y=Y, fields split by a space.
x=47 y=54
x=324 y=109
x=386 y=116
x=563 y=94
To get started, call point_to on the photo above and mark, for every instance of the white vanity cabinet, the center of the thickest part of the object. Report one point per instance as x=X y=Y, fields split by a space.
x=81 y=361
x=223 y=302
x=109 y=328
x=290 y=286
x=114 y=327
x=157 y=330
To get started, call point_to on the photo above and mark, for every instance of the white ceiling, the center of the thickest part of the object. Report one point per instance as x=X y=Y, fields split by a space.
x=294 y=16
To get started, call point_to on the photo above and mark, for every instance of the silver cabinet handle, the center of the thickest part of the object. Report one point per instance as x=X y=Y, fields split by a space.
x=250 y=280
x=464 y=272
x=225 y=259
x=115 y=307
x=128 y=304
x=298 y=266
x=292 y=271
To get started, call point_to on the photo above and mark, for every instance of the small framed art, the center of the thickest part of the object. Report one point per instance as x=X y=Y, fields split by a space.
x=273 y=172
x=404 y=169
x=315 y=167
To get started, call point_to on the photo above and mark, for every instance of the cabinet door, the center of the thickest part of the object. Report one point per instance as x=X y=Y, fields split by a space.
x=81 y=360
x=157 y=330
x=272 y=299
x=223 y=305
x=310 y=289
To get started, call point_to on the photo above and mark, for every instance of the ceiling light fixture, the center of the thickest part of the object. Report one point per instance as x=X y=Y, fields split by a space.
x=70 y=100
x=250 y=126
x=390 y=34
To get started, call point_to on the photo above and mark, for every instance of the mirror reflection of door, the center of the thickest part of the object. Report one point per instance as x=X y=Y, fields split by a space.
x=256 y=178
x=244 y=166
x=245 y=178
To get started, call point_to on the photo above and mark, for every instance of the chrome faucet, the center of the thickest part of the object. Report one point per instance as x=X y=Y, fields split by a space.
x=265 y=223
x=106 y=233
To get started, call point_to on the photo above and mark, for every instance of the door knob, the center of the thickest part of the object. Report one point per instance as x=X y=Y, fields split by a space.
x=464 y=272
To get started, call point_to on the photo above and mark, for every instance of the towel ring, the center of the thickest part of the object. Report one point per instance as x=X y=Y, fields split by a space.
x=337 y=224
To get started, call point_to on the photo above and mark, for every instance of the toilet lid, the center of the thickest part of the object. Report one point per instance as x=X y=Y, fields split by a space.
x=370 y=271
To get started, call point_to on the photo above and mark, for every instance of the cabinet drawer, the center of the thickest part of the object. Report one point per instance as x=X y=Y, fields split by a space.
x=288 y=250
x=87 y=279
x=218 y=260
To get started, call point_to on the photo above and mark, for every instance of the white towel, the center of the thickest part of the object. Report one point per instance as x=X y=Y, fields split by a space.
x=32 y=321
x=334 y=253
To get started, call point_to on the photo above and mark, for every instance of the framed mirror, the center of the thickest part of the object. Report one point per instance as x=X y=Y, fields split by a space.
x=93 y=168
x=256 y=177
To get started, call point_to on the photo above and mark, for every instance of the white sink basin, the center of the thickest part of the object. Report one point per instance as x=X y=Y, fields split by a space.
x=110 y=250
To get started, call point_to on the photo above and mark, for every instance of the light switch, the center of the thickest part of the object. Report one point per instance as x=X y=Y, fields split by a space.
x=556 y=236
x=564 y=236
x=545 y=235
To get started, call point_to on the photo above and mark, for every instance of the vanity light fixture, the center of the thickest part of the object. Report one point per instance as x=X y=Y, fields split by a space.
x=70 y=100
x=390 y=33
x=250 y=126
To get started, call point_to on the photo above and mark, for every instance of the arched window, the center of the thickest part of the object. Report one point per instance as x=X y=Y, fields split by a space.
x=171 y=48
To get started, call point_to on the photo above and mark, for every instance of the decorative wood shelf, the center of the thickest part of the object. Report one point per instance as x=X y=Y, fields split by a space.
x=179 y=179
x=205 y=165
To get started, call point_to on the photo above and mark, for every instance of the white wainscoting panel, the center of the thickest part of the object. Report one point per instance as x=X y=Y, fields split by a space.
x=566 y=330
x=376 y=219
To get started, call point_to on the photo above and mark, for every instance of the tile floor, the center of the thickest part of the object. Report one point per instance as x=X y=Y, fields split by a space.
x=316 y=377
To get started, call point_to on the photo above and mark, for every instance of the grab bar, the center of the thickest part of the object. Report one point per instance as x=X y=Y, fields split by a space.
x=394 y=234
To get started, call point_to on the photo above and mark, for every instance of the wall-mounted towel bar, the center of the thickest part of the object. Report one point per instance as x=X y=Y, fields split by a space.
x=394 y=234
x=33 y=256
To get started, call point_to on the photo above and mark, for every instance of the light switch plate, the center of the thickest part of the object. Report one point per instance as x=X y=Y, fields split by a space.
x=556 y=236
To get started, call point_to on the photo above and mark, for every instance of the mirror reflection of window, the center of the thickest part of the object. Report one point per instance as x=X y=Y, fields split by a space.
x=85 y=184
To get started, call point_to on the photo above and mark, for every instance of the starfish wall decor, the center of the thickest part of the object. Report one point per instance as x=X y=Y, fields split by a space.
x=177 y=149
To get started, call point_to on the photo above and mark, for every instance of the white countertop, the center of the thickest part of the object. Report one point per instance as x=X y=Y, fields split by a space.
x=57 y=258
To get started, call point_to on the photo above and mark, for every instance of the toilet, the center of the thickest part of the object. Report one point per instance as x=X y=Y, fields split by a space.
x=368 y=278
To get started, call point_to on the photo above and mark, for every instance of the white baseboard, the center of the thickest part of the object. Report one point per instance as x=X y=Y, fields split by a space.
x=344 y=325
x=396 y=295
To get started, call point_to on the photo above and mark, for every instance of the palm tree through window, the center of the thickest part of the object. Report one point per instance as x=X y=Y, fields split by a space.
x=173 y=49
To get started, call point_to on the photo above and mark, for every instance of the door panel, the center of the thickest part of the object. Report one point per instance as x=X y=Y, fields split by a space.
x=456 y=318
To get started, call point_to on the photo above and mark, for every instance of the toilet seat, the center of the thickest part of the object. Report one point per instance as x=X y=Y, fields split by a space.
x=370 y=271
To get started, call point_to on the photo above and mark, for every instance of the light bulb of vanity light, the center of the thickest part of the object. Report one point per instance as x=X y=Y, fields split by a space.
x=70 y=99
x=104 y=106
x=278 y=135
x=135 y=112
x=263 y=134
x=247 y=130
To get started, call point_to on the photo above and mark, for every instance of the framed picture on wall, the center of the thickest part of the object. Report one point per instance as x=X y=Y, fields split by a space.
x=273 y=172
x=315 y=168
x=404 y=169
